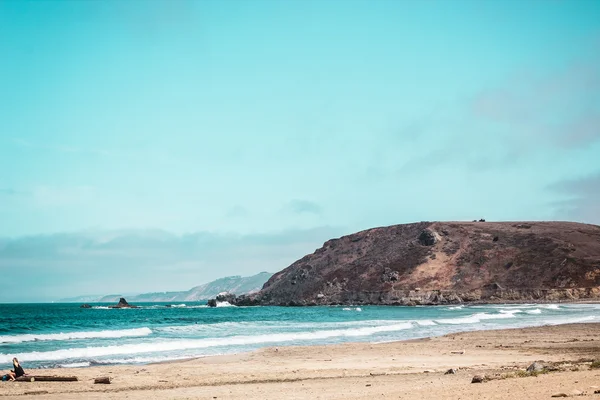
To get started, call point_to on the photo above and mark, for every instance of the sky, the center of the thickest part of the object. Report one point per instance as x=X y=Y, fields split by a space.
x=157 y=145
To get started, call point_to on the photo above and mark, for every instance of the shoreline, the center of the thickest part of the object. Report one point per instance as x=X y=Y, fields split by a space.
x=470 y=327
x=349 y=370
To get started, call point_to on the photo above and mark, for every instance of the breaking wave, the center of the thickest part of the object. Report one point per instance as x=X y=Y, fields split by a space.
x=86 y=353
x=475 y=318
x=136 y=332
x=535 y=311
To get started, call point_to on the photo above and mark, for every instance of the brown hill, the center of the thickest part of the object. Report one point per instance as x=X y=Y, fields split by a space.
x=444 y=262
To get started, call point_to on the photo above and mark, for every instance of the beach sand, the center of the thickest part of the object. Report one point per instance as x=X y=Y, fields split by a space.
x=399 y=370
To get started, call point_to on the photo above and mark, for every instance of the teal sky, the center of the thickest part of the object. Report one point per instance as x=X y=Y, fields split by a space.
x=269 y=126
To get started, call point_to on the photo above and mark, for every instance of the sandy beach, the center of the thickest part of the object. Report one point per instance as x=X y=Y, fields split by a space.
x=399 y=370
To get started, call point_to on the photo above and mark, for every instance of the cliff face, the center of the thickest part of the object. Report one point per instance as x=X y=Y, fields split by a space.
x=444 y=262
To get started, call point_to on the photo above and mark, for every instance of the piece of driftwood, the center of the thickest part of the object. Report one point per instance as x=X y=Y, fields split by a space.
x=42 y=378
x=102 y=379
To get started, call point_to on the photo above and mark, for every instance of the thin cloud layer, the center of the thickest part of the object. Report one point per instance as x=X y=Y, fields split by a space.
x=582 y=201
x=298 y=206
x=561 y=108
x=92 y=262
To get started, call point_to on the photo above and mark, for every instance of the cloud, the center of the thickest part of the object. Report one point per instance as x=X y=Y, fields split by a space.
x=237 y=212
x=61 y=148
x=298 y=206
x=11 y=192
x=562 y=108
x=126 y=261
x=583 y=202
x=512 y=124
x=53 y=196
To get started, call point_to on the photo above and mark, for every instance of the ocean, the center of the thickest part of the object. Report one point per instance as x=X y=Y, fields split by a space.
x=67 y=336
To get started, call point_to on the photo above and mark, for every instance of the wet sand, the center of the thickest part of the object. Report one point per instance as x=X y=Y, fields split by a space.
x=399 y=370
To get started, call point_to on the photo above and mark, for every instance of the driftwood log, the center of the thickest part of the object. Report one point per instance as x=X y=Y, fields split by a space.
x=102 y=379
x=42 y=378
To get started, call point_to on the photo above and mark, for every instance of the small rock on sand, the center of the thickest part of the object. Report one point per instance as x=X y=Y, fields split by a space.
x=478 y=379
x=560 y=395
x=535 y=367
x=451 y=371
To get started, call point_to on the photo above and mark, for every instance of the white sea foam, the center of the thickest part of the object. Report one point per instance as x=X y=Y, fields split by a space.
x=178 y=306
x=31 y=337
x=224 y=304
x=248 y=326
x=358 y=309
x=536 y=311
x=75 y=365
x=551 y=306
x=456 y=308
x=473 y=319
x=560 y=321
x=346 y=309
x=178 y=345
x=425 y=322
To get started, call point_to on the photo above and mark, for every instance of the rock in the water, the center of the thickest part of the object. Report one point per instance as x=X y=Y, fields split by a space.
x=212 y=303
x=535 y=367
x=85 y=306
x=123 y=304
x=226 y=297
x=451 y=371
x=478 y=379
x=427 y=238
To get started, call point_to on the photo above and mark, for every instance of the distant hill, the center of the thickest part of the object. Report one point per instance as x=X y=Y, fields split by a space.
x=80 y=299
x=233 y=284
x=444 y=262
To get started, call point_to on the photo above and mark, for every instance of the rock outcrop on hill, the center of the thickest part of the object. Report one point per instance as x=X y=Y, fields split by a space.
x=444 y=262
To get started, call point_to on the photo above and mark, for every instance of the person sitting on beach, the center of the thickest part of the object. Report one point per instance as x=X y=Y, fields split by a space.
x=17 y=371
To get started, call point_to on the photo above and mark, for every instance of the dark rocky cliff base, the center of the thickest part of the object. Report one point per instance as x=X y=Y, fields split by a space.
x=442 y=263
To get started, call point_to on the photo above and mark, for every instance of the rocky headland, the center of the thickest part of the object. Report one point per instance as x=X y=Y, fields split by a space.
x=431 y=263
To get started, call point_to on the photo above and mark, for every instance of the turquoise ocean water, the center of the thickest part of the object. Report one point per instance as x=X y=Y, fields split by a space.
x=64 y=335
